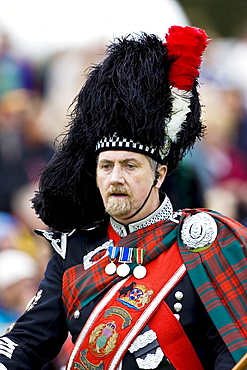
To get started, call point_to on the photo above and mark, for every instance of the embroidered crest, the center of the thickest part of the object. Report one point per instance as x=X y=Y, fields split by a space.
x=34 y=300
x=103 y=339
x=135 y=296
x=199 y=231
x=87 y=364
x=127 y=319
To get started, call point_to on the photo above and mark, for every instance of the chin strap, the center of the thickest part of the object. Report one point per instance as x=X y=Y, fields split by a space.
x=145 y=201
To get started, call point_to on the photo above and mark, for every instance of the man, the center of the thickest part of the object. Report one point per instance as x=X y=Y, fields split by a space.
x=136 y=284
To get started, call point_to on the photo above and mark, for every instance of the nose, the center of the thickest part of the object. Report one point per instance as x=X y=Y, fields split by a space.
x=117 y=175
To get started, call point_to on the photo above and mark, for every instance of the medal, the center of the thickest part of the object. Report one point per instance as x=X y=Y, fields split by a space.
x=111 y=268
x=125 y=256
x=140 y=270
x=123 y=270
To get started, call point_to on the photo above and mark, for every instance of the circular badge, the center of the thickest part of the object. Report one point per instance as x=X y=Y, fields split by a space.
x=123 y=270
x=140 y=272
x=199 y=231
x=111 y=268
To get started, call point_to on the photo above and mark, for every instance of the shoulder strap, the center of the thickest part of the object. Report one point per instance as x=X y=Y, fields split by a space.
x=57 y=239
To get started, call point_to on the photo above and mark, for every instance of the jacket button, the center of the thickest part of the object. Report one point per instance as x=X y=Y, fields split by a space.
x=77 y=314
x=178 y=307
x=179 y=295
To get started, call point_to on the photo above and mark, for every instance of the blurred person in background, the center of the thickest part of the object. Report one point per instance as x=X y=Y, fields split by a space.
x=19 y=270
x=15 y=72
x=184 y=187
x=219 y=162
x=23 y=259
x=228 y=61
x=18 y=284
x=22 y=265
x=14 y=234
x=23 y=150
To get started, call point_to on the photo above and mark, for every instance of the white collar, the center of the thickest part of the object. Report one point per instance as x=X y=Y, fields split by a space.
x=164 y=212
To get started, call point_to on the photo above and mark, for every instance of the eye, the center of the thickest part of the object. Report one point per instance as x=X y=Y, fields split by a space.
x=130 y=166
x=106 y=166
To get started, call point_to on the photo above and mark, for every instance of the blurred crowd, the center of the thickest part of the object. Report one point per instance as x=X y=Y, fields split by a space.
x=34 y=98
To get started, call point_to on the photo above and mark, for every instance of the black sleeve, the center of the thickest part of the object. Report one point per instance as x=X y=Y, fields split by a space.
x=222 y=358
x=40 y=332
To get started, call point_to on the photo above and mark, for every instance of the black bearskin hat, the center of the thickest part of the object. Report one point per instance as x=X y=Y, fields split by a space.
x=143 y=96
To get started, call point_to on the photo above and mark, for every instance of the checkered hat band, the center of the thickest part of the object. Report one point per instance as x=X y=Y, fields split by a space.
x=116 y=143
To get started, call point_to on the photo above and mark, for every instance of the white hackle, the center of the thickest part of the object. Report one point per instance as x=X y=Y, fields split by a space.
x=180 y=109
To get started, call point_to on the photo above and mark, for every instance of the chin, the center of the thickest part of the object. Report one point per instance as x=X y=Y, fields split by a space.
x=117 y=210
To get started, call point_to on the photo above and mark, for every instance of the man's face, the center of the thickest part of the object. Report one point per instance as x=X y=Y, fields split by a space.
x=124 y=180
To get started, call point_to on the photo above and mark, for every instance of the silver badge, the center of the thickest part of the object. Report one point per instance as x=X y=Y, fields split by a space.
x=88 y=258
x=199 y=231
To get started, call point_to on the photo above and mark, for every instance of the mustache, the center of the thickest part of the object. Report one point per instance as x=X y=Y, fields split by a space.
x=116 y=189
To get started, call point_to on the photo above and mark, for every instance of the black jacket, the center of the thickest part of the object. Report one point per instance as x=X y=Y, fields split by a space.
x=40 y=332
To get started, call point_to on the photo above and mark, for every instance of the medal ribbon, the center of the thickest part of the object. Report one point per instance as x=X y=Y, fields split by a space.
x=139 y=255
x=113 y=252
x=125 y=255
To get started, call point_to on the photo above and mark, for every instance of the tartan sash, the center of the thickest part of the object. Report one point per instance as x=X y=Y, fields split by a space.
x=120 y=316
x=219 y=274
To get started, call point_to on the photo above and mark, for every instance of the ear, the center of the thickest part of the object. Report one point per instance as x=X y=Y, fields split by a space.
x=161 y=174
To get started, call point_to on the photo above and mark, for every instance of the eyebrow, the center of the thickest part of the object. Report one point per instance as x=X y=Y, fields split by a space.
x=126 y=160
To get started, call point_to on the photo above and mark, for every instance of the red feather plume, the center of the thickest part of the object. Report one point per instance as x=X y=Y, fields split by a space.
x=185 y=45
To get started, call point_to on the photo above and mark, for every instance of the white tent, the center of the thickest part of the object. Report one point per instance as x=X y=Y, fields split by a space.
x=38 y=27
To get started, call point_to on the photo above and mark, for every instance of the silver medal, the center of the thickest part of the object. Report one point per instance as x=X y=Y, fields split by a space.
x=140 y=272
x=123 y=270
x=111 y=268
